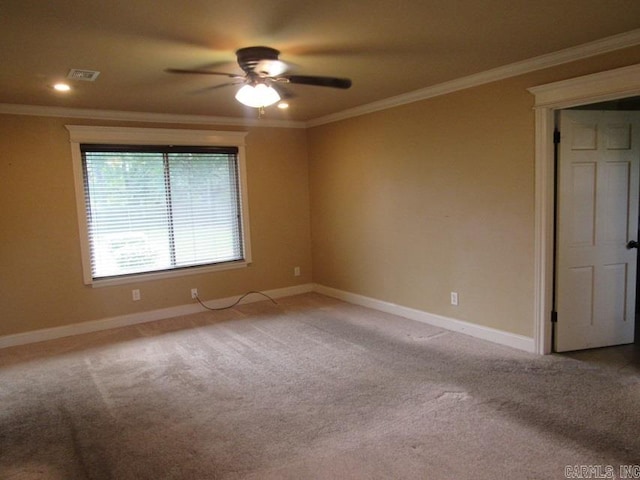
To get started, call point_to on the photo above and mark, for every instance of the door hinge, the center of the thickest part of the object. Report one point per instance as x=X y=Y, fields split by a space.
x=554 y=317
x=556 y=136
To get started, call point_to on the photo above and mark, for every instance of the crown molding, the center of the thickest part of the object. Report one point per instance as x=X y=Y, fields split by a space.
x=605 y=45
x=116 y=115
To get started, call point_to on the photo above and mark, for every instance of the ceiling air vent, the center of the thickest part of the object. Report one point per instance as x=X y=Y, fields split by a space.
x=86 y=75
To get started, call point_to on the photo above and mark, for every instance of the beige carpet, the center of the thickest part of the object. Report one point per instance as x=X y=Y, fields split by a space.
x=310 y=389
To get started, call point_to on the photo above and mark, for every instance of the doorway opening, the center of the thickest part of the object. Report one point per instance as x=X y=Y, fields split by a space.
x=595 y=301
x=598 y=87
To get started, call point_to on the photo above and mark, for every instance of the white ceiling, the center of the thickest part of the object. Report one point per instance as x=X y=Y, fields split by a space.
x=386 y=47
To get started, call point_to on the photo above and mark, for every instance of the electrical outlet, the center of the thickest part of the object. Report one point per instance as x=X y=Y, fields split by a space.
x=135 y=295
x=194 y=293
x=296 y=272
x=454 y=299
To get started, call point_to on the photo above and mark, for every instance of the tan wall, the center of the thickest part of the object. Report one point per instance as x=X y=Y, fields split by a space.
x=40 y=268
x=406 y=205
x=414 y=202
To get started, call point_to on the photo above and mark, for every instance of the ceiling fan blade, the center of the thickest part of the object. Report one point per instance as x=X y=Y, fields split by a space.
x=203 y=72
x=332 y=82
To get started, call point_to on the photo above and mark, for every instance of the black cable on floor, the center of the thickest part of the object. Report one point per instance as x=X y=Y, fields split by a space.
x=236 y=302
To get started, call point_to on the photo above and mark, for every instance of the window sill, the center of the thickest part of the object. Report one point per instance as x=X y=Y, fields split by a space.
x=144 y=277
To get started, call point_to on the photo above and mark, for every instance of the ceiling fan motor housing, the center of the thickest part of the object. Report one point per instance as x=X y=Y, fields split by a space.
x=250 y=57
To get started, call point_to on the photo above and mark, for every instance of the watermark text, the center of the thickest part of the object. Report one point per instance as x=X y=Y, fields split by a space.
x=602 y=471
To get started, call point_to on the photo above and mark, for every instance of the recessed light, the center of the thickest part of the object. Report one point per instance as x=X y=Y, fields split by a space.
x=283 y=105
x=61 y=87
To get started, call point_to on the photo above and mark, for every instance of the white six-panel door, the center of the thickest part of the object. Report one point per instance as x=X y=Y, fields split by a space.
x=598 y=180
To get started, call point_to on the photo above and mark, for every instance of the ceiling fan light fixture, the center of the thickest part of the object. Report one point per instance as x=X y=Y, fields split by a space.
x=257 y=96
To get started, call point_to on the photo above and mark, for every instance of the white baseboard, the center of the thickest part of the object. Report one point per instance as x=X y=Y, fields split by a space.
x=497 y=336
x=501 y=337
x=142 y=317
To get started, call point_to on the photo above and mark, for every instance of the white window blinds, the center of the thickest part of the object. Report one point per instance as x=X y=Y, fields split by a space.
x=158 y=208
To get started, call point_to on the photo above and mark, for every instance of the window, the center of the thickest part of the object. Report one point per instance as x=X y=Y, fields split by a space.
x=159 y=210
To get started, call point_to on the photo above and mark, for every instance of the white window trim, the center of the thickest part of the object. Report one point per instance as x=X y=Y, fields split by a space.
x=79 y=134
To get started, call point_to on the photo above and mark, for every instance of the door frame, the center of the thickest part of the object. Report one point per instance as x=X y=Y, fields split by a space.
x=598 y=87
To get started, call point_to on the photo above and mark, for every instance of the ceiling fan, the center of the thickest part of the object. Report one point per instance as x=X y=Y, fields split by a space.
x=264 y=72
